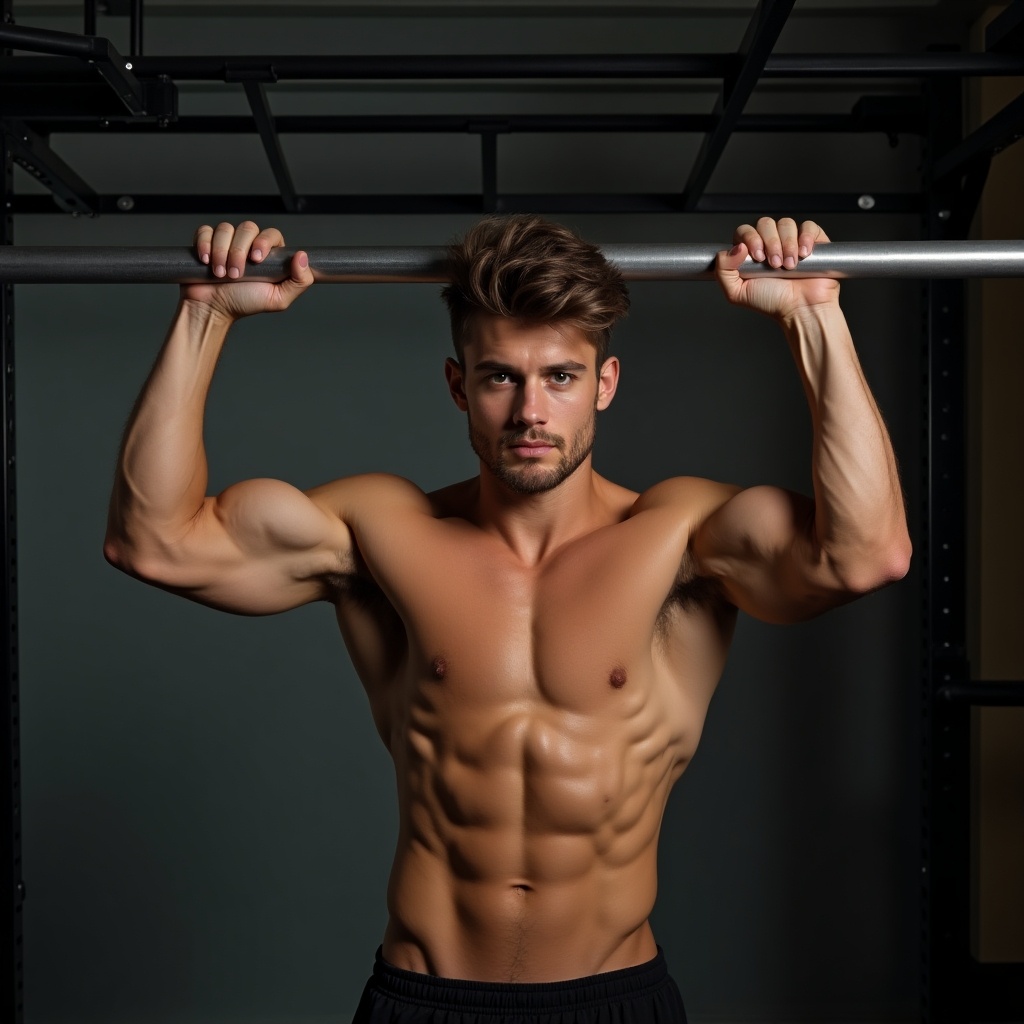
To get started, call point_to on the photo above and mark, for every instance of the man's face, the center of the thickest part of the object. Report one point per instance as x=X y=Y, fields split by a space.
x=531 y=394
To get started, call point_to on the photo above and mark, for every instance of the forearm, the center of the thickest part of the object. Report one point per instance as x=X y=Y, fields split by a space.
x=860 y=520
x=161 y=476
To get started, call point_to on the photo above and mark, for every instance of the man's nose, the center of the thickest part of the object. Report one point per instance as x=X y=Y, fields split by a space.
x=531 y=407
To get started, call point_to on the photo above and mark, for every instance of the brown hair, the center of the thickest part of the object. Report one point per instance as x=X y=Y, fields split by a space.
x=530 y=269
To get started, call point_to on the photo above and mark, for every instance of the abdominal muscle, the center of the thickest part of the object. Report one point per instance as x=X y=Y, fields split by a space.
x=528 y=832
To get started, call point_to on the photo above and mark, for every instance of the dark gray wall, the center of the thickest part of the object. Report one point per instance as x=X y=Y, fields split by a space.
x=209 y=816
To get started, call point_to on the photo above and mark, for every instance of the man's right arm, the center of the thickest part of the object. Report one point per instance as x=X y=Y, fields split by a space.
x=261 y=546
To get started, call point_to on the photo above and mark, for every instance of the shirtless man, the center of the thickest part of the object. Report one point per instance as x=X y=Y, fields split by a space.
x=539 y=645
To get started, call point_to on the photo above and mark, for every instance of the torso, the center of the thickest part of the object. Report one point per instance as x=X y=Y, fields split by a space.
x=537 y=717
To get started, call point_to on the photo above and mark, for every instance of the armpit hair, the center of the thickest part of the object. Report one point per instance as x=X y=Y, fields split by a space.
x=690 y=590
x=361 y=589
x=354 y=582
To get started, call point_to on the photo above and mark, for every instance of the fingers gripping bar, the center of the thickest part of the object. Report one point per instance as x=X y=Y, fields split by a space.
x=638 y=262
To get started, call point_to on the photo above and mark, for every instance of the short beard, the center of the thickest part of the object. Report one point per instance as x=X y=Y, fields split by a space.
x=527 y=479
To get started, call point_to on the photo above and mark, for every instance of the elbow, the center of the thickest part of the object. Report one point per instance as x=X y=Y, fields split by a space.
x=130 y=561
x=868 y=571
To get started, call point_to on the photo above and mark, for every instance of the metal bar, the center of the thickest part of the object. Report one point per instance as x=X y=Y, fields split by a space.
x=89 y=26
x=946 y=756
x=998 y=132
x=763 y=30
x=1005 y=33
x=100 y=52
x=295 y=67
x=370 y=124
x=264 y=121
x=40 y=40
x=253 y=204
x=638 y=262
x=135 y=28
x=12 y=888
x=984 y=694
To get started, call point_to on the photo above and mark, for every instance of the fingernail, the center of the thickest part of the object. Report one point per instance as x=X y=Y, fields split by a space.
x=736 y=249
x=804 y=250
x=775 y=260
x=790 y=262
x=233 y=272
x=218 y=271
x=257 y=254
x=303 y=260
x=205 y=257
x=759 y=254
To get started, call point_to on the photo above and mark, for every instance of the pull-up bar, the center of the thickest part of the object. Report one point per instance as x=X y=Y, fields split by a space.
x=638 y=262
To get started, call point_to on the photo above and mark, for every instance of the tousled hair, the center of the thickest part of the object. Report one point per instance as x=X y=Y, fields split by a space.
x=530 y=269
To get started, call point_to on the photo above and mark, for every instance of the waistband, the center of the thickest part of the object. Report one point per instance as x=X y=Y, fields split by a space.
x=514 y=996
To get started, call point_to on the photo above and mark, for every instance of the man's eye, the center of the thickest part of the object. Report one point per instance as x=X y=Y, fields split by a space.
x=499 y=378
x=561 y=377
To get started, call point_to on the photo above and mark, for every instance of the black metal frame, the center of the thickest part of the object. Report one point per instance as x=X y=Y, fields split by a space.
x=12 y=894
x=85 y=85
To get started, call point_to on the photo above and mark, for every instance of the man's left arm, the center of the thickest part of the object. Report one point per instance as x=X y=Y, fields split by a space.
x=780 y=556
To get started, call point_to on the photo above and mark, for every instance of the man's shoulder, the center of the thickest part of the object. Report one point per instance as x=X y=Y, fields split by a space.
x=692 y=496
x=370 y=491
x=388 y=494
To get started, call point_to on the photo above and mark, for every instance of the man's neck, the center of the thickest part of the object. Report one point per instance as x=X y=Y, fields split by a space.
x=534 y=525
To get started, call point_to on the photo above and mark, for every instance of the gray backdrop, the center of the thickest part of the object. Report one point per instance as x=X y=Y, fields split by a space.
x=208 y=813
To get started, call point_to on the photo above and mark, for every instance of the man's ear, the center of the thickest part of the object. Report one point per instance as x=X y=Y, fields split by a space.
x=456 y=383
x=607 y=382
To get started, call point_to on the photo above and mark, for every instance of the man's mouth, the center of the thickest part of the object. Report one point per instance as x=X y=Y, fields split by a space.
x=531 y=449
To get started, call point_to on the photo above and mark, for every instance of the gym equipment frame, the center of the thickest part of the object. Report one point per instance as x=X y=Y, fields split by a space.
x=82 y=84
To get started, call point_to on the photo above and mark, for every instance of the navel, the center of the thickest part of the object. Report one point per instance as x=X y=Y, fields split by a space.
x=439 y=667
x=618 y=677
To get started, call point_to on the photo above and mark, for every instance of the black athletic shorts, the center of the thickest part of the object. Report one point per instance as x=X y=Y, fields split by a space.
x=636 y=995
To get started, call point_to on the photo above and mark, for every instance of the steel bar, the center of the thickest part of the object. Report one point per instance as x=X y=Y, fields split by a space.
x=12 y=888
x=459 y=124
x=680 y=66
x=135 y=28
x=204 y=204
x=568 y=66
x=256 y=94
x=638 y=262
x=1005 y=33
x=763 y=30
x=999 y=131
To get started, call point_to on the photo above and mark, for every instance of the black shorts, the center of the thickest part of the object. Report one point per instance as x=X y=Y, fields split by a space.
x=644 y=994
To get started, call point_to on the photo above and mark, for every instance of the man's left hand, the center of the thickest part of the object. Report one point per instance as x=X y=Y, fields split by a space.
x=780 y=244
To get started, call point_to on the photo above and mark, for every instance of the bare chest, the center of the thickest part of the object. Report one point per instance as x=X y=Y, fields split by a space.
x=566 y=632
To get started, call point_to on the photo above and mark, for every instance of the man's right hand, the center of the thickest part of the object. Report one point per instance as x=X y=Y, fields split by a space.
x=227 y=249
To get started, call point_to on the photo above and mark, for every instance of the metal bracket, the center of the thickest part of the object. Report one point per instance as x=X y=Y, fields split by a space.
x=114 y=69
x=31 y=152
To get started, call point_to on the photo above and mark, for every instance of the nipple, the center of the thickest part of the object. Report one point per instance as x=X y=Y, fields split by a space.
x=618 y=678
x=439 y=667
